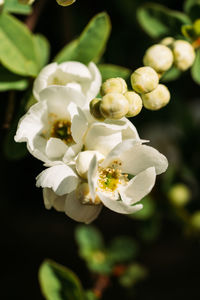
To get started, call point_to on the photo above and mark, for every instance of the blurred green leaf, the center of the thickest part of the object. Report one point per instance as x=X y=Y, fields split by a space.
x=158 y=21
x=65 y=2
x=150 y=229
x=147 y=211
x=172 y=74
x=17 y=51
x=42 y=48
x=192 y=8
x=91 y=43
x=59 y=283
x=13 y=6
x=111 y=71
x=132 y=275
x=195 y=70
x=188 y=32
x=122 y=249
x=89 y=295
x=10 y=81
x=196 y=26
x=99 y=262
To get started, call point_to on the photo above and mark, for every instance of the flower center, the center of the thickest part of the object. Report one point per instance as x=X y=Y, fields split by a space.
x=62 y=129
x=57 y=81
x=111 y=177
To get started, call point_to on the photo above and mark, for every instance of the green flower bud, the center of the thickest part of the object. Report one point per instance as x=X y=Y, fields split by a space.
x=135 y=104
x=179 y=194
x=95 y=109
x=156 y=99
x=159 y=57
x=167 y=41
x=114 y=106
x=65 y=2
x=184 y=54
x=114 y=85
x=195 y=220
x=144 y=80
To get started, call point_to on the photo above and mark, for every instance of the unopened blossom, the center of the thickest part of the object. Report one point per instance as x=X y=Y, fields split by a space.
x=73 y=74
x=118 y=181
x=156 y=99
x=114 y=85
x=144 y=80
x=184 y=54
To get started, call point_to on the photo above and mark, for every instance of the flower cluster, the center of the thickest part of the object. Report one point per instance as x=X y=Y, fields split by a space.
x=89 y=162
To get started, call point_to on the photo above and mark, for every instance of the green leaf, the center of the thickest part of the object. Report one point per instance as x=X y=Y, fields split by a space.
x=132 y=275
x=59 y=283
x=196 y=26
x=147 y=211
x=158 y=21
x=172 y=74
x=111 y=71
x=10 y=81
x=192 y=8
x=188 y=32
x=122 y=249
x=88 y=238
x=89 y=295
x=42 y=47
x=195 y=70
x=91 y=43
x=17 y=51
x=13 y=6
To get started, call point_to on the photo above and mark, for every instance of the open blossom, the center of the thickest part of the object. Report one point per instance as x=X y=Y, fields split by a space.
x=118 y=180
x=76 y=75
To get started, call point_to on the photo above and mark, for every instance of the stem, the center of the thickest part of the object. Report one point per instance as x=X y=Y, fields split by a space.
x=9 y=110
x=101 y=284
x=32 y=19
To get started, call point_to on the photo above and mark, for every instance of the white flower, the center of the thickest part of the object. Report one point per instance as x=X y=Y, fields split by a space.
x=76 y=75
x=109 y=182
x=54 y=127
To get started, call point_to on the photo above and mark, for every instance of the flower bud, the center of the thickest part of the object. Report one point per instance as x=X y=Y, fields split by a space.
x=184 y=54
x=135 y=104
x=167 y=41
x=179 y=194
x=83 y=161
x=144 y=80
x=156 y=99
x=95 y=109
x=114 y=85
x=65 y=2
x=159 y=57
x=114 y=106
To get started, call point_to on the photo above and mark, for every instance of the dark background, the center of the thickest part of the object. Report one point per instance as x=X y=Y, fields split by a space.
x=30 y=233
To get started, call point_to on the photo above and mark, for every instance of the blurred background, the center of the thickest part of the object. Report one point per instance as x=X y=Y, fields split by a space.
x=169 y=245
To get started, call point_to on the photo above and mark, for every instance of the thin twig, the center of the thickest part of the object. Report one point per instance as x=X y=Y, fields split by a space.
x=101 y=284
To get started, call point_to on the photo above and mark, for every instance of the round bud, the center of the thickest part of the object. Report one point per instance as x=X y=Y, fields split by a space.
x=114 y=106
x=114 y=85
x=135 y=104
x=159 y=57
x=83 y=161
x=156 y=99
x=184 y=54
x=167 y=41
x=95 y=108
x=179 y=194
x=144 y=80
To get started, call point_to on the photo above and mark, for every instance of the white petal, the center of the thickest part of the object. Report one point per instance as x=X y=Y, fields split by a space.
x=130 y=132
x=92 y=171
x=61 y=178
x=41 y=81
x=138 y=187
x=118 y=206
x=55 y=148
x=53 y=200
x=31 y=124
x=141 y=157
x=76 y=71
x=71 y=152
x=79 y=125
x=81 y=212
x=95 y=82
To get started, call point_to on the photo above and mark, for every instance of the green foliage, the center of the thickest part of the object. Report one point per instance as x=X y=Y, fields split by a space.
x=17 y=48
x=42 y=48
x=111 y=71
x=191 y=32
x=89 y=295
x=13 y=6
x=195 y=70
x=59 y=283
x=122 y=249
x=91 y=43
x=159 y=21
x=192 y=8
x=172 y=74
x=132 y=275
x=10 y=81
